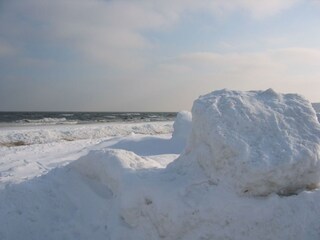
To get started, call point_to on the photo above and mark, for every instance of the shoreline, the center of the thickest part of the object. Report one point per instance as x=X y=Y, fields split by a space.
x=15 y=136
x=19 y=126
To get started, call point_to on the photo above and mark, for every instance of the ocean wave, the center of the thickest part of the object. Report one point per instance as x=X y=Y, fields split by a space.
x=57 y=118
x=129 y=114
x=49 y=121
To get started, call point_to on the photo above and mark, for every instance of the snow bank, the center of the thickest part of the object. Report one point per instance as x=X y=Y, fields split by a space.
x=241 y=142
x=115 y=194
x=157 y=145
x=26 y=152
x=112 y=167
x=182 y=125
x=49 y=134
x=259 y=142
x=150 y=145
x=316 y=107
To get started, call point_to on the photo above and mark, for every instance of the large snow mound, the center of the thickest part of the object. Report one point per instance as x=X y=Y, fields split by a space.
x=316 y=107
x=257 y=142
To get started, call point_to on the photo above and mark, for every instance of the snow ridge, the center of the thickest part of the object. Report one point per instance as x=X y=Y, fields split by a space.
x=258 y=142
x=246 y=173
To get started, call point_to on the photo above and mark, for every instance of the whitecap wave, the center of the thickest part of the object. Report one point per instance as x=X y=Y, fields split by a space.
x=46 y=121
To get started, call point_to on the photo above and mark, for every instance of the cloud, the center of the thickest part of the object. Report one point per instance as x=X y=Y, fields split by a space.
x=86 y=42
x=110 y=33
x=7 y=50
x=298 y=56
x=257 y=9
x=286 y=70
x=239 y=63
x=106 y=33
x=277 y=59
x=261 y=9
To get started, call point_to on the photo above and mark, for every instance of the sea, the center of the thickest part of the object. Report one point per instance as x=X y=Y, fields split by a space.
x=71 y=118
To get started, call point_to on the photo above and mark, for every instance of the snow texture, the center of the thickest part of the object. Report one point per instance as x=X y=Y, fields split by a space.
x=258 y=142
x=316 y=107
x=155 y=145
x=48 y=134
x=182 y=125
x=131 y=187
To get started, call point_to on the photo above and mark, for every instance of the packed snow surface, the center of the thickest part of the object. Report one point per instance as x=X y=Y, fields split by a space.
x=43 y=148
x=50 y=134
x=182 y=125
x=259 y=142
x=316 y=107
x=131 y=187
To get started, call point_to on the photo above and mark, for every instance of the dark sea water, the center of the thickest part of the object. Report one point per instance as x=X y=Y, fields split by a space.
x=55 y=118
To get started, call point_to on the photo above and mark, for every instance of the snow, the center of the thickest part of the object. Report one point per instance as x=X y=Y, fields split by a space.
x=137 y=186
x=45 y=147
x=316 y=107
x=182 y=125
x=257 y=142
x=155 y=145
x=49 y=134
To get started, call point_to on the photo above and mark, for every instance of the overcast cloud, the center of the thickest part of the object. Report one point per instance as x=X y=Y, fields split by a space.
x=101 y=55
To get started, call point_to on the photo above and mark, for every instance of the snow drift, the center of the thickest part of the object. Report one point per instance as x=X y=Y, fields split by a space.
x=115 y=194
x=49 y=134
x=258 y=142
x=182 y=125
x=157 y=145
x=150 y=202
x=242 y=144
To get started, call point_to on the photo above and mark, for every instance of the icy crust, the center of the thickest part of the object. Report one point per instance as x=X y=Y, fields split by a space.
x=258 y=142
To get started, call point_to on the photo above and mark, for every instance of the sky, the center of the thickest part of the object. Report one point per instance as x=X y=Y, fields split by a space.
x=146 y=55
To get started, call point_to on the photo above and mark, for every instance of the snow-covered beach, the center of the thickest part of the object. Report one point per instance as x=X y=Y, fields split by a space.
x=166 y=180
x=30 y=151
x=159 y=120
